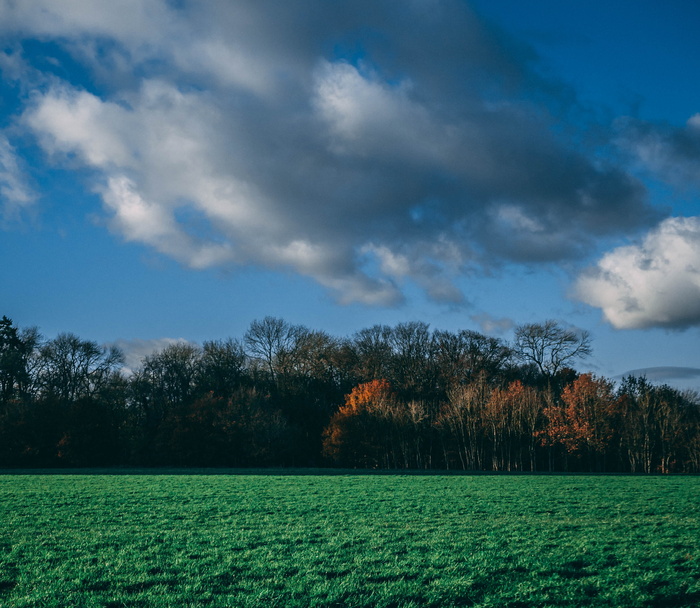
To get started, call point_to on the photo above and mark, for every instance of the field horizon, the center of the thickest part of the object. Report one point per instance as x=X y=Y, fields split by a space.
x=320 y=471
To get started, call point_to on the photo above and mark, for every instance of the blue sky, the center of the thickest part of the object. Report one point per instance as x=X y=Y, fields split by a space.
x=178 y=169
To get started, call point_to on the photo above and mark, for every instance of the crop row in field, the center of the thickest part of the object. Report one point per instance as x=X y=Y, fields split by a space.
x=350 y=540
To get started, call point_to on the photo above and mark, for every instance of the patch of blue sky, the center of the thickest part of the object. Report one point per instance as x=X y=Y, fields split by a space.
x=10 y=102
x=361 y=49
x=608 y=51
x=52 y=59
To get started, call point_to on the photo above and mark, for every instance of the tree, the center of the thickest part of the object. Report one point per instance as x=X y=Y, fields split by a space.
x=166 y=381
x=464 y=356
x=357 y=434
x=16 y=349
x=172 y=374
x=221 y=369
x=243 y=430
x=590 y=412
x=655 y=425
x=413 y=361
x=88 y=434
x=639 y=433
x=550 y=347
x=374 y=352
x=672 y=407
x=692 y=439
x=273 y=343
x=462 y=420
x=69 y=368
x=530 y=405
x=311 y=379
x=511 y=417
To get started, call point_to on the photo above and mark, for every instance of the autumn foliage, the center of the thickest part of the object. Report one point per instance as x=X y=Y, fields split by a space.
x=354 y=435
x=375 y=397
x=583 y=421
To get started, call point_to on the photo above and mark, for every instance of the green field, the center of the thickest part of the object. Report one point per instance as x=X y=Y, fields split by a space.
x=349 y=540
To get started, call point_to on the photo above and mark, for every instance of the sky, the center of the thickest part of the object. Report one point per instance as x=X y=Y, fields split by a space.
x=175 y=169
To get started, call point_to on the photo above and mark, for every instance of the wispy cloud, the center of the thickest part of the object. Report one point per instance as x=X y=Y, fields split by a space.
x=135 y=351
x=672 y=153
x=15 y=193
x=492 y=325
x=665 y=373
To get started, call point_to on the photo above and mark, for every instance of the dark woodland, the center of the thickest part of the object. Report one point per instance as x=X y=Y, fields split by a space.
x=395 y=398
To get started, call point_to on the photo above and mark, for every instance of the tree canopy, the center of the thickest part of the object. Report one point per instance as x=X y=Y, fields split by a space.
x=391 y=397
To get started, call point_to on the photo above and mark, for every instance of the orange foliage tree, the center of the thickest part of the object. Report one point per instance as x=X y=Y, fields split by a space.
x=584 y=421
x=356 y=434
x=372 y=396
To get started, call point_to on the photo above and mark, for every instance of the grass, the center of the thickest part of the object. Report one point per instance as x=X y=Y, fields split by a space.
x=386 y=541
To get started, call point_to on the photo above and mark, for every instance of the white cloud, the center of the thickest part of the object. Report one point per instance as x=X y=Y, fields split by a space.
x=427 y=264
x=393 y=264
x=139 y=220
x=71 y=121
x=652 y=284
x=359 y=288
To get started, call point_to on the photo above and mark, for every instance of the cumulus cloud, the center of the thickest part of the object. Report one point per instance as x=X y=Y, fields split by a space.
x=655 y=283
x=320 y=138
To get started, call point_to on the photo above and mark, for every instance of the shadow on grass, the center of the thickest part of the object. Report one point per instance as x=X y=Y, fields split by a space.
x=675 y=600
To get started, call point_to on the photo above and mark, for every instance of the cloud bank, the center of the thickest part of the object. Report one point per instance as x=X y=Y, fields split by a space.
x=363 y=144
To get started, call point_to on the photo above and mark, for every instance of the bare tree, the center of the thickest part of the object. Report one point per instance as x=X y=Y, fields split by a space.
x=169 y=376
x=550 y=347
x=413 y=360
x=639 y=428
x=462 y=418
x=222 y=367
x=464 y=356
x=274 y=343
x=69 y=368
x=374 y=352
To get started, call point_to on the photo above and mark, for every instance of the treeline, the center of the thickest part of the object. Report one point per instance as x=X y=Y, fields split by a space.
x=401 y=397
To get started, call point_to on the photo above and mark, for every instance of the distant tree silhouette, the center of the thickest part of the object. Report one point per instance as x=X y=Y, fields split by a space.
x=401 y=397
